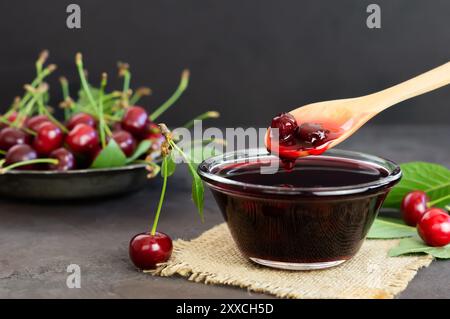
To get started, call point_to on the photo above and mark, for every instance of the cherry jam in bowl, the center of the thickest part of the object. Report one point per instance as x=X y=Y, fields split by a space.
x=313 y=216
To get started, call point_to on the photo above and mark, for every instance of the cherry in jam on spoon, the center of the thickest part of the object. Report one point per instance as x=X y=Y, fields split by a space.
x=316 y=127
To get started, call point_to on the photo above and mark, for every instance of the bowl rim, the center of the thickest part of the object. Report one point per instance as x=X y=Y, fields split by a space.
x=212 y=179
x=75 y=171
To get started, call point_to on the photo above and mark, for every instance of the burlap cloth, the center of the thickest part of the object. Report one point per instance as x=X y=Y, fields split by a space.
x=213 y=258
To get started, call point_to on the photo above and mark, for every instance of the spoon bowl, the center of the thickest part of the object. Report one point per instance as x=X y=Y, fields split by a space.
x=345 y=116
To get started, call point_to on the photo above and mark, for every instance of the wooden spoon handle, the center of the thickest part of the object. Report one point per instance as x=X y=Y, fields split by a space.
x=421 y=84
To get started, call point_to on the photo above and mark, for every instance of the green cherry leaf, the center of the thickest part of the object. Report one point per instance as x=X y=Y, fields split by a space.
x=197 y=190
x=110 y=156
x=384 y=228
x=171 y=166
x=197 y=184
x=415 y=246
x=142 y=148
x=431 y=178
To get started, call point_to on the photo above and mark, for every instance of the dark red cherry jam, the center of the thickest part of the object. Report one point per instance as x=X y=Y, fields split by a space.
x=319 y=211
x=294 y=139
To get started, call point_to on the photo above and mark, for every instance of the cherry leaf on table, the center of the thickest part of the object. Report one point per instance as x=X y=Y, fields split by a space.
x=142 y=148
x=431 y=178
x=415 y=245
x=110 y=156
x=389 y=228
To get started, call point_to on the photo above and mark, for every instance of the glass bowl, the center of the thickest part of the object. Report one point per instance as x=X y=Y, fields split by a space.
x=299 y=228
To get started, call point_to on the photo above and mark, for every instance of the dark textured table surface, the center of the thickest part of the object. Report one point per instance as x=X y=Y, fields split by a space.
x=39 y=240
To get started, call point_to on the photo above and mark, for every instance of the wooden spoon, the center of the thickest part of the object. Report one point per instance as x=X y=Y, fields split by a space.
x=348 y=115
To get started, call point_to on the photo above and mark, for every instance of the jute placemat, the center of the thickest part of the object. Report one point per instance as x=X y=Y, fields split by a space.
x=213 y=258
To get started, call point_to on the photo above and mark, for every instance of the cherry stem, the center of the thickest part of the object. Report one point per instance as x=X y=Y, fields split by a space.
x=201 y=117
x=46 y=112
x=30 y=162
x=100 y=110
x=84 y=83
x=140 y=92
x=66 y=95
x=43 y=56
x=46 y=72
x=8 y=123
x=126 y=85
x=2 y=152
x=161 y=198
x=431 y=204
x=107 y=116
x=22 y=114
x=175 y=96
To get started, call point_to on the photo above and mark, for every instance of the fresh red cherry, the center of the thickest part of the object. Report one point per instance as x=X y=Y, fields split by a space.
x=117 y=126
x=312 y=133
x=434 y=227
x=10 y=118
x=413 y=206
x=135 y=120
x=80 y=118
x=33 y=122
x=147 y=250
x=11 y=136
x=126 y=142
x=82 y=139
x=286 y=125
x=49 y=137
x=20 y=153
x=66 y=160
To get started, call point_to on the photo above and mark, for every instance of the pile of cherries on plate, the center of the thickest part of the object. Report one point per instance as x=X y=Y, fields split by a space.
x=433 y=224
x=75 y=144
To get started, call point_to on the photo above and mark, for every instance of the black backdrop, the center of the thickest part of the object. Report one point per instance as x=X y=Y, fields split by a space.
x=249 y=58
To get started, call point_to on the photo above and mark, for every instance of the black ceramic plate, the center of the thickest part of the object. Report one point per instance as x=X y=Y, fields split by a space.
x=76 y=184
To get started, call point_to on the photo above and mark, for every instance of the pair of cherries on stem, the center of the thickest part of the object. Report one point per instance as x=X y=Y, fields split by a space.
x=433 y=224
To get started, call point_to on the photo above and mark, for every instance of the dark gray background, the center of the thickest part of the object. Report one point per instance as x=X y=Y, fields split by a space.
x=249 y=59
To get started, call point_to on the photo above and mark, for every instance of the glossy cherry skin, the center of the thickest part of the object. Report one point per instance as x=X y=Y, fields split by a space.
x=286 y=125
x=80 y=118
x=135 y=120
x=11 y=136
x=49 y=137
x=413 y=206
x=312 y=133
x=434 y=227
x=10 y=118
x=34 y=122
x=146 y=250
x=153 y=134
x=66 y=160
x=83 y=139
x=126 y=142
x=20 y=153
